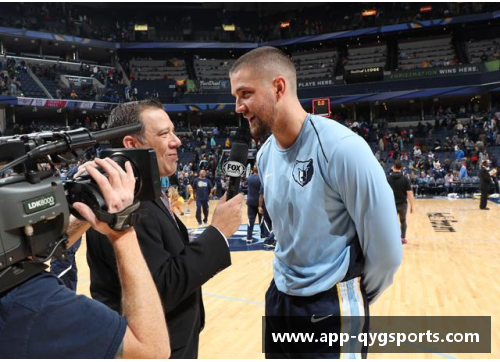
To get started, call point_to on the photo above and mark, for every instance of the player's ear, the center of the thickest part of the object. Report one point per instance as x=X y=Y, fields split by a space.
x=280 y=86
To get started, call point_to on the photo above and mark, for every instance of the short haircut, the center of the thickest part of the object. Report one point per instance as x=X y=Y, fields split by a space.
x=128 y=114
x=270 y=60
x=398 y=165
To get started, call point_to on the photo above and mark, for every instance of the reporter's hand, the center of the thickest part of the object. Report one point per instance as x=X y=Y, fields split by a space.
x=117 y=190
x=227 y=215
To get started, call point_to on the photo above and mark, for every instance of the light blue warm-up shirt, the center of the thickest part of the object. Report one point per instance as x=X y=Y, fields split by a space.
x=324 y=193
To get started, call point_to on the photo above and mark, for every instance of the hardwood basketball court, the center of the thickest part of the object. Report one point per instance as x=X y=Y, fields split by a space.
x=443 y=274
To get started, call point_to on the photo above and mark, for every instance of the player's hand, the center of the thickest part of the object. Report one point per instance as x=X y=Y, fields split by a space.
x=117 y=190
x=411 y=209
x=260 y=210
x=227 y=216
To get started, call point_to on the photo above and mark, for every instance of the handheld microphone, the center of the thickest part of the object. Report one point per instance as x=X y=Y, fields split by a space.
x=235 y=168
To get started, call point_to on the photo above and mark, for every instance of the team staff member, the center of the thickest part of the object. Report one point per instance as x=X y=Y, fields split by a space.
x=403 y=193
x=203 y=191
x=41 y=318
x=254 y=185
x=485 y=178
x=179 y=267
x=334 y=219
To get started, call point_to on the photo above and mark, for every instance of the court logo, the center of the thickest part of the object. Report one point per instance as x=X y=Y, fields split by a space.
x=303 y=172
x=442 y=221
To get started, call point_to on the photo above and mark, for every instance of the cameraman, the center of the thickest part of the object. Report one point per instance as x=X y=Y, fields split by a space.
x=41 y=318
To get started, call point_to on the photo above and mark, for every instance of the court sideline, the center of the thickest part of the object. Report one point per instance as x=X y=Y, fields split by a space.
x=443 y=274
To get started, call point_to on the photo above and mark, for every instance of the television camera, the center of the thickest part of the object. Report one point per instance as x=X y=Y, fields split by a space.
x=35 y=205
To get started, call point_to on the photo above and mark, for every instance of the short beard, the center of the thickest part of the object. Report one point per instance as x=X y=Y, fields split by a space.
x=260 y=129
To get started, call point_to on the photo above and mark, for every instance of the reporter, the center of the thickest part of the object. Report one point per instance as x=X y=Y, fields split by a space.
x=41 y=318
x=179 y=266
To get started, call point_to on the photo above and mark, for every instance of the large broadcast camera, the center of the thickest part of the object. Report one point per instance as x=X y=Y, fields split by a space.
x=35 y=205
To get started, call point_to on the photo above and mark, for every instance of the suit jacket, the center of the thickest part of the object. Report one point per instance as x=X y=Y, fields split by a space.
x=485 y=178
x=179 y=269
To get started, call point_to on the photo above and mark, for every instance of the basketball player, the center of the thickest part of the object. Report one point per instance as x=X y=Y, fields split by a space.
x=334 y=217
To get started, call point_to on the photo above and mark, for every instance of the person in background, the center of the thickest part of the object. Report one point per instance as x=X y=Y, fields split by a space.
x=176 y=201
x=401 y=186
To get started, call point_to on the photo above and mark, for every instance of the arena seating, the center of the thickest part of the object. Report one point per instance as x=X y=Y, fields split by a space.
x=213 y=68
x=29 y=87
x=489 y=47
x=426 y=53
x=366 y=57
x=158 y=69
x=312 y=65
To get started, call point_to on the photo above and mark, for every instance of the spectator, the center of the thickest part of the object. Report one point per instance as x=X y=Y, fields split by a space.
x=463 y=171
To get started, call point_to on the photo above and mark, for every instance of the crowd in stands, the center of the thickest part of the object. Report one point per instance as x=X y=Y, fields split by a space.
x=10 y=84
x=108 y=77
x=441 y=158
x=12 y=69
x=176 y=25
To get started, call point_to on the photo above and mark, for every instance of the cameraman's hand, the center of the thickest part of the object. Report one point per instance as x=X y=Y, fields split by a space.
x=227 y=215
x=82 y=169
x=117 y=190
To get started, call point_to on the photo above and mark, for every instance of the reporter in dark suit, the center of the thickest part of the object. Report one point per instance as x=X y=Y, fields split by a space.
x=179 y=268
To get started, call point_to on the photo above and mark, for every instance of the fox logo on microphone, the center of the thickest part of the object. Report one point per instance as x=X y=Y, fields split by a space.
x=303 y=172
x=233 y=169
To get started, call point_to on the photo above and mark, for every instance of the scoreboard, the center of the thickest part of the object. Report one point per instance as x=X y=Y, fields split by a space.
x=321 y=107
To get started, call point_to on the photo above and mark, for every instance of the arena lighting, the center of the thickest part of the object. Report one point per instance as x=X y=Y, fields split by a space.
x=371 y=12
x=229 y=27
x=285 y=24
x=426 y=9
x=141 y=27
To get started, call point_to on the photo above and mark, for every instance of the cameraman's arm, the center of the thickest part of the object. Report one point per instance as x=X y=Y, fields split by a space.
x=146 y=335
x=76 y=229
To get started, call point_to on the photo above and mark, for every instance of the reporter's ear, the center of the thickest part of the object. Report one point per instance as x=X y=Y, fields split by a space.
x=130 y=142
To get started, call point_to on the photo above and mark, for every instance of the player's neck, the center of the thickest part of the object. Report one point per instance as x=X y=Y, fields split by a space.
x=288 y=126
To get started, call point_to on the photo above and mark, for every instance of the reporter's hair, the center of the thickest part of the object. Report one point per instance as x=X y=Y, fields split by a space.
x=130 y=113
x=268 y=60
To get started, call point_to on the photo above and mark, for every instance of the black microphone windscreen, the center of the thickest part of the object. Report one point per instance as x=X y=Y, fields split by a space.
x=235 y=168
x=239 y=153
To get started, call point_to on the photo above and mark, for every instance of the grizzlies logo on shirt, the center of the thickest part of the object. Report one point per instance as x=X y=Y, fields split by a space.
x=303 y=172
